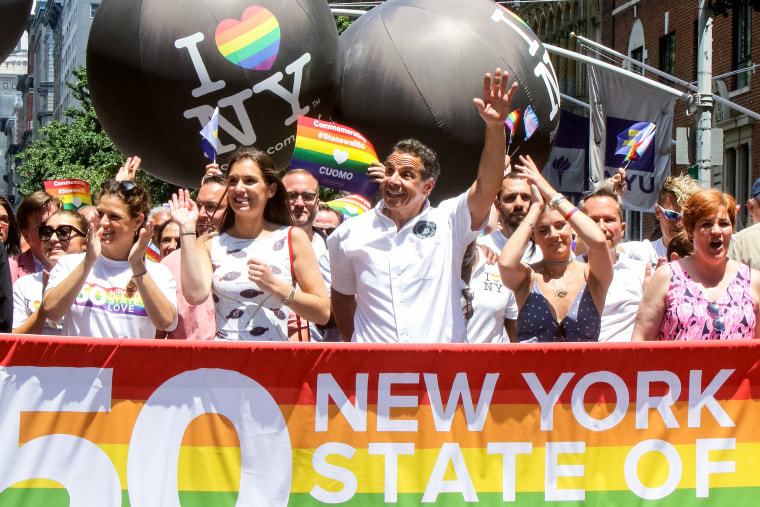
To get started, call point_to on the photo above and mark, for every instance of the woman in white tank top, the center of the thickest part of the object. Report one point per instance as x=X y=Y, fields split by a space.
x=249 y=267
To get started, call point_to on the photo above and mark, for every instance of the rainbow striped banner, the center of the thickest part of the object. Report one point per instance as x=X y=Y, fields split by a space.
x=98 y=422
x=338 y=156
x=73 y=193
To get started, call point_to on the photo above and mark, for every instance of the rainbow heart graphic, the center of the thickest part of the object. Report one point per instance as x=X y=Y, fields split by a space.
x=251 y=43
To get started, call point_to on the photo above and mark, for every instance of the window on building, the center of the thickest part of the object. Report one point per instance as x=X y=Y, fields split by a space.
x=736 y=178
x=93 y=10
x=742 y=41
x=668 y=54
x=637 y=54
x=633 y=225
x=5 y=86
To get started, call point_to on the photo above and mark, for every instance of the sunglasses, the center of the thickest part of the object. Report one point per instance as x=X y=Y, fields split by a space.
x=114 y=185
x=306 y=196
x=210 y=207
x=468 y=296
x=64 y=232
x=670 y=214
x=326 y=230
x=713 y=309
x=561 y=333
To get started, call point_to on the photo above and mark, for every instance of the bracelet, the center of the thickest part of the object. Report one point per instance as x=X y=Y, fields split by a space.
x=530 y=225
x=556 y=200
x=571 y=213
x=291 y=296
x=188 y=234
x=141 y=274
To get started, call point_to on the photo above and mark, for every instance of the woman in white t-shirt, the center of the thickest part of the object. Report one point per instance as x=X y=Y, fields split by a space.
x=109 y=291
x=65 y=232
x=249 y=267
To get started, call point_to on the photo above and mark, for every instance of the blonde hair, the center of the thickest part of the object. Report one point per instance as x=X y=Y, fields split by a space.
x=680 y=186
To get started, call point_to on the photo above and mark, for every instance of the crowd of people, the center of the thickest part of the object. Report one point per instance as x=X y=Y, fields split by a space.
x=257 y=256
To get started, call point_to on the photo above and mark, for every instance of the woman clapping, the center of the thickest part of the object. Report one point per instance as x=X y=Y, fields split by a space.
x=110 y=291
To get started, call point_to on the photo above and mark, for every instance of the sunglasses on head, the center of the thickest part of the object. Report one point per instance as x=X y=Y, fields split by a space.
x=64 y=232
x=468 y=296
x=670 y=214
x=112 y=185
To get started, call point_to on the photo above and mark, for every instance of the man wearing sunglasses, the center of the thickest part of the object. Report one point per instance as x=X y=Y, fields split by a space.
x=211 y=202
x=673 y=195
x=198 y=322
x=33 y=211
x=303 y=197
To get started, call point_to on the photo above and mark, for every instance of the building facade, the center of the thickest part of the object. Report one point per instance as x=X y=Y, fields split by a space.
x=665 y=35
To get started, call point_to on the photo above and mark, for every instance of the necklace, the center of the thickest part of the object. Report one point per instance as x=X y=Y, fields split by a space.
x=560 y=263
x=560 y=293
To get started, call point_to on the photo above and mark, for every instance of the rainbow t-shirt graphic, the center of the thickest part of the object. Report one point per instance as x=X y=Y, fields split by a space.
x=112 y=300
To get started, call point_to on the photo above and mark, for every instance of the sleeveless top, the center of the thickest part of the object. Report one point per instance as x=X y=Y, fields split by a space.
x=535 y=322
x=687 y=316
x=243 y=310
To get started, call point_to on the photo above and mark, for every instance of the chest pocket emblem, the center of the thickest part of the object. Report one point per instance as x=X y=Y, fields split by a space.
x=424 y=229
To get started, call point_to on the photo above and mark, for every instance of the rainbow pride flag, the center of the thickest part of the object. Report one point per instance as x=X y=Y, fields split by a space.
x=635 y=140
x=73 y=193
x=338 y=156
x=108 y=422
x=152 y=253
x=351 y=205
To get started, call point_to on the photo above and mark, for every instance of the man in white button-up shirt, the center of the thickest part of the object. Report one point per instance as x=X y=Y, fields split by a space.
x=396 y=268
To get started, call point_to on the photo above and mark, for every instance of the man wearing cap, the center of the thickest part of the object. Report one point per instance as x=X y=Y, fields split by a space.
x=745 y=246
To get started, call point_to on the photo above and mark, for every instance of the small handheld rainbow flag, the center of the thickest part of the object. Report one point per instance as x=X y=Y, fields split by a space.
x=351 y=205
x=73 y=193
x=210 y=136
x=530 y=120
x=152 y=253
x=337 y=156
x=511 y=123
x=635 y=140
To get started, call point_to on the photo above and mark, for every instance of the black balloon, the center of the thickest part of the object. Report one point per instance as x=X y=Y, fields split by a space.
x=13 y=17
x=410 y=68
x=158 y=68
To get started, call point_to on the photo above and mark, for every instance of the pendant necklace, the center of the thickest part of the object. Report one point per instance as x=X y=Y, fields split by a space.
x=560 y=293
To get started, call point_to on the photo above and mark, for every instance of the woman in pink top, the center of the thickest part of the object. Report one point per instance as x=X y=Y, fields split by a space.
x=705 y=296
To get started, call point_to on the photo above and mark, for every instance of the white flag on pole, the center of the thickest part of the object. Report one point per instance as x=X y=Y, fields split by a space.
x=617 y=102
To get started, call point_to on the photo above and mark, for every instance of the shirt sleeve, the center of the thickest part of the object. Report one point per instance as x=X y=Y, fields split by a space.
x=166 y=284
x=461 y=221
x=62 y=269
x=510 y=312
x=21 y=311
x=343 y=277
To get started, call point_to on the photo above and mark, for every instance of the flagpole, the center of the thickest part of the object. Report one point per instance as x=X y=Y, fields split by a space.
x=658 y=72
x=704 y=95
x=612 y=68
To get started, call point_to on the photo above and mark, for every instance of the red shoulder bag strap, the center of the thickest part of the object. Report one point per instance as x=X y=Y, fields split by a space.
x=293 y=277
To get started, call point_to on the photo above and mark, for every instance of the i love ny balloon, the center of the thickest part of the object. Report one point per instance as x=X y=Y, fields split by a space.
x=158 y=68
x=410 y=68
x=13 y=17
